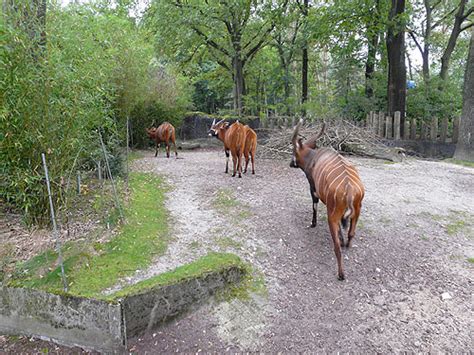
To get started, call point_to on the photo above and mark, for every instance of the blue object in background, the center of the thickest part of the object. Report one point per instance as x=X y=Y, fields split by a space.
x=411 y=84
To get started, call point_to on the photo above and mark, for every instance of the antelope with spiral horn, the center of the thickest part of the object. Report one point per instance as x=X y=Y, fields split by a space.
x=334 y=181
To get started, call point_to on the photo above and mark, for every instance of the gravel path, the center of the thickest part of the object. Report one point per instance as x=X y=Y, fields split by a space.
x=408 y=284
x=412 y=245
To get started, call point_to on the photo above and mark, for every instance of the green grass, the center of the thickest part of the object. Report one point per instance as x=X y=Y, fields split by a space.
x=225 y=200
x=227 y=242
x=253 y=283
x=469 y=164
x=470 y=260
x=194 y=244
x=134 y=155
x=213 y=262
x=455 y=227
x=93 y=268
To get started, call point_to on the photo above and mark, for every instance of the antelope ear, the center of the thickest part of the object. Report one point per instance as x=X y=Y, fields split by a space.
x=226 y=124
x=311 y=144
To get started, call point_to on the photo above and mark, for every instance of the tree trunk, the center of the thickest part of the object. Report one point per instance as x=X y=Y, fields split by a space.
x=426 y=43
x=458 y=19
x=396 y=62
x=304 y=68
x=370 y=64
x=238 y=83
x=465 y=146
x=372 y=46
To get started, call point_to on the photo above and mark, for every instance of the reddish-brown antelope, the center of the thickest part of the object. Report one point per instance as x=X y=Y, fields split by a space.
x=250 y=147
x=164 y=133
x=334 y=181
x=233 y=137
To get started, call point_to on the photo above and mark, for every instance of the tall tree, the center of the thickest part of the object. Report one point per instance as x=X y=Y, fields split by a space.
x=285 y=42
x=462 y=21
x=372 y=34
x=304 y=7
x=465 y=146
x=396 y=60
x=232 y=31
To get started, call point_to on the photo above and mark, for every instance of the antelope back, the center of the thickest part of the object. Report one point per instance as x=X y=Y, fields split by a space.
x=335 y=178
x=235 y=138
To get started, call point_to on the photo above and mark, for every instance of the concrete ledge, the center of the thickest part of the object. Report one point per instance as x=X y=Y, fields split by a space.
x=106 y=325
x=67 y=320
x=145 y=310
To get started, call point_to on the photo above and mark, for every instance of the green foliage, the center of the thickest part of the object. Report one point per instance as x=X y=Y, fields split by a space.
x=92 y=268
x=427 y=100
x=96 y=67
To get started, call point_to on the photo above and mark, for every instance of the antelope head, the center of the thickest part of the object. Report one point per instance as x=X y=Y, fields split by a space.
x=301 y=149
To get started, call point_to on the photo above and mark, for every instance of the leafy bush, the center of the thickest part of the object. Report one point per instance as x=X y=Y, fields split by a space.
x=96 y=66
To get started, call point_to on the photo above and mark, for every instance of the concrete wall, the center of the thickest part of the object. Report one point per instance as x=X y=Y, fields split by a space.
x=66 y=320
x=144 y=311
x=428 y=149
x=99 y=325
x=196 y=125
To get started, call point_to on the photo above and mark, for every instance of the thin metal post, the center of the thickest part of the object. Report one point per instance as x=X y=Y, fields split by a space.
x=53 y=220
x=117 y=202
x=78 y=182
x=126 y=155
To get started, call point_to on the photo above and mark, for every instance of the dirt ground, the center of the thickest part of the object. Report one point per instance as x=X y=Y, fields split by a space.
x=408 y=284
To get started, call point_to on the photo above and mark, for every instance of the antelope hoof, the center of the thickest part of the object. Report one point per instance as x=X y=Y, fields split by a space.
x=341 y=277
x=240 y=175
x=253 y=172
x=233 y=175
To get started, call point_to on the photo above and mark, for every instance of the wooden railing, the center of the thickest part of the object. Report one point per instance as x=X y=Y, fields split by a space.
x=436 y=131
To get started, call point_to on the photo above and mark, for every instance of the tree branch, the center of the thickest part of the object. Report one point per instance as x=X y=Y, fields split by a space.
x=469 y=25
x=209 y=41
x=468 y=12
x=440 y=21
x=412 y=35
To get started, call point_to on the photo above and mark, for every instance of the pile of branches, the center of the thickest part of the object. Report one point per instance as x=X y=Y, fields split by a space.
x=342 y=135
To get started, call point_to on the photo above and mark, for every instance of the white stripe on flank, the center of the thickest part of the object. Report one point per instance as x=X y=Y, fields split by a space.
x=332 y=182
x=337 y=188
x=326 y=165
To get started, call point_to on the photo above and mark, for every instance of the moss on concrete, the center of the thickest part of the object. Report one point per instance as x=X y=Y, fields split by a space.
x=211 y=263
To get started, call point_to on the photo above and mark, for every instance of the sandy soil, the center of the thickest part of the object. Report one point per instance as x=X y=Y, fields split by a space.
x=412 y=247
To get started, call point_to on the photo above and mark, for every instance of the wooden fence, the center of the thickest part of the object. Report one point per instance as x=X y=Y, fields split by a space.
x=414 y=129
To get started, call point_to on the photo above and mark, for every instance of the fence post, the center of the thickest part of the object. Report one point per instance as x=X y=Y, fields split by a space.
x=78 y=182
x=375 y=122
x=413 y=129
x=434 y=129
x=444 y=129
x=55 y=228
x=406 y=130
x=117 y=202
x=423 y=130
x=388 y=127
x=396 y=126
x=381 y=125
x=456 y=122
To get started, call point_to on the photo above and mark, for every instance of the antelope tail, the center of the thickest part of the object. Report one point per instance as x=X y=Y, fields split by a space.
x=350 y=208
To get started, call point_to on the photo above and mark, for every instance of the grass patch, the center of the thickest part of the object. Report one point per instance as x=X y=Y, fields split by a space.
x=469 y=164
x=93 y=268
x=225 y=200
x=213 y=262
x=228 y=242
x=253 y=283
x=194 y=244
x=470 y=260
x=454 y=228
x=135 y=155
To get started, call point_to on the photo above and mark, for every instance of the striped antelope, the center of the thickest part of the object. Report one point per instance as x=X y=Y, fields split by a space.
x=334 y=181
x=233 y=136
